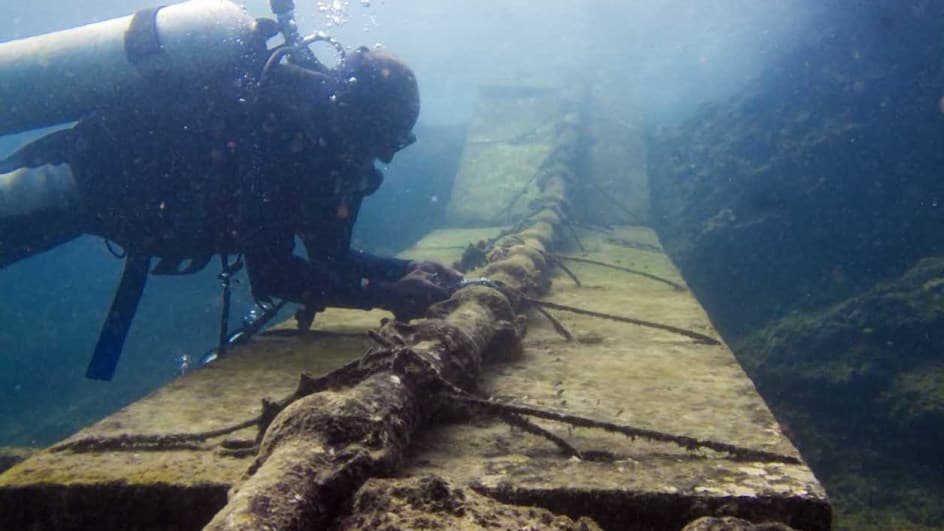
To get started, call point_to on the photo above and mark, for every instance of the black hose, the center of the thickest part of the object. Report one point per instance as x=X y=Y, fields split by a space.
x=274 y=58
x=225 y=280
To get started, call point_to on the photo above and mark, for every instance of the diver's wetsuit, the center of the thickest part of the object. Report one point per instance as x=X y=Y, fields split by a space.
x=218 y=173
x=230 y=167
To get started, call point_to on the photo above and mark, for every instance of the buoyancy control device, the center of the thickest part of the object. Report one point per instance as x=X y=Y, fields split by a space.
x=64 y=76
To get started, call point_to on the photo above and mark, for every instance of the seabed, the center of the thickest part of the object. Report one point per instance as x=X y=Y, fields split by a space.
x=610 y=371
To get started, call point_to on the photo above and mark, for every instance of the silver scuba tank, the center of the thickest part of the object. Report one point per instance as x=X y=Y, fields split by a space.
x=60 y=77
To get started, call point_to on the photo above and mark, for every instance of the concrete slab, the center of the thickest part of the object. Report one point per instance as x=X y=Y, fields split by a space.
x=613 y=371
x=510 y=135
x=638 y=376
x=183 y=487
x=616 y=190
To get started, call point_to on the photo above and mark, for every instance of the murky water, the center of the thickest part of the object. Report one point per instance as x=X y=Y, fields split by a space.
x=792 y=162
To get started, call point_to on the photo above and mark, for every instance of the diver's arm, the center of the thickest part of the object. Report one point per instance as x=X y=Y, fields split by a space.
x=354 y=280
x=378 y=268
x=404 y=287
x=274 y=271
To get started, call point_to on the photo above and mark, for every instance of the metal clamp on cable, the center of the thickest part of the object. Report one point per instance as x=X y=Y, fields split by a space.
x=481 y=281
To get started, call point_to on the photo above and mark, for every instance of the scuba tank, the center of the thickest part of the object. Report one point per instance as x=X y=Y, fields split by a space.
x=60 y=77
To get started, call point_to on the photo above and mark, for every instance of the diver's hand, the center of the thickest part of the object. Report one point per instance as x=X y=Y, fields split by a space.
x=439 y=274
x=424 y=284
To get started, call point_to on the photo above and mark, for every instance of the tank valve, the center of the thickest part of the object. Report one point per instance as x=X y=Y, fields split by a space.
x=284 y=11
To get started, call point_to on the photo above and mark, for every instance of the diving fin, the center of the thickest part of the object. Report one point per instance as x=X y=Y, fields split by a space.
x=111 y=339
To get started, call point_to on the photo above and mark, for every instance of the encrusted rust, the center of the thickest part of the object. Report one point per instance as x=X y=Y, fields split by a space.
x=430 y=502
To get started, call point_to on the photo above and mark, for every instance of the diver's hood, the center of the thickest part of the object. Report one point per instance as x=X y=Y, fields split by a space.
x=379 y=95
x=369 y=98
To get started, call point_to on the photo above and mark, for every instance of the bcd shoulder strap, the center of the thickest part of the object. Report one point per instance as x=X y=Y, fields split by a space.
x=111 y=339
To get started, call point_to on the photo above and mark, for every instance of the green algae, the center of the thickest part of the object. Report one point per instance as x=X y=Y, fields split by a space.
x=10 y=456
x=862 y=388
x=916 y=396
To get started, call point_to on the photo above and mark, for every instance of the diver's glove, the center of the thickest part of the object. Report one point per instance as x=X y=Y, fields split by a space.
x=424 y=284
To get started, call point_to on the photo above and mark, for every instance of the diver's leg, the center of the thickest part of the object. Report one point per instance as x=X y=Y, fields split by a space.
x=38 y=211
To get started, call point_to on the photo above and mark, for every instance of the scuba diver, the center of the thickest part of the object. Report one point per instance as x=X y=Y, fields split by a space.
x=273 y=147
